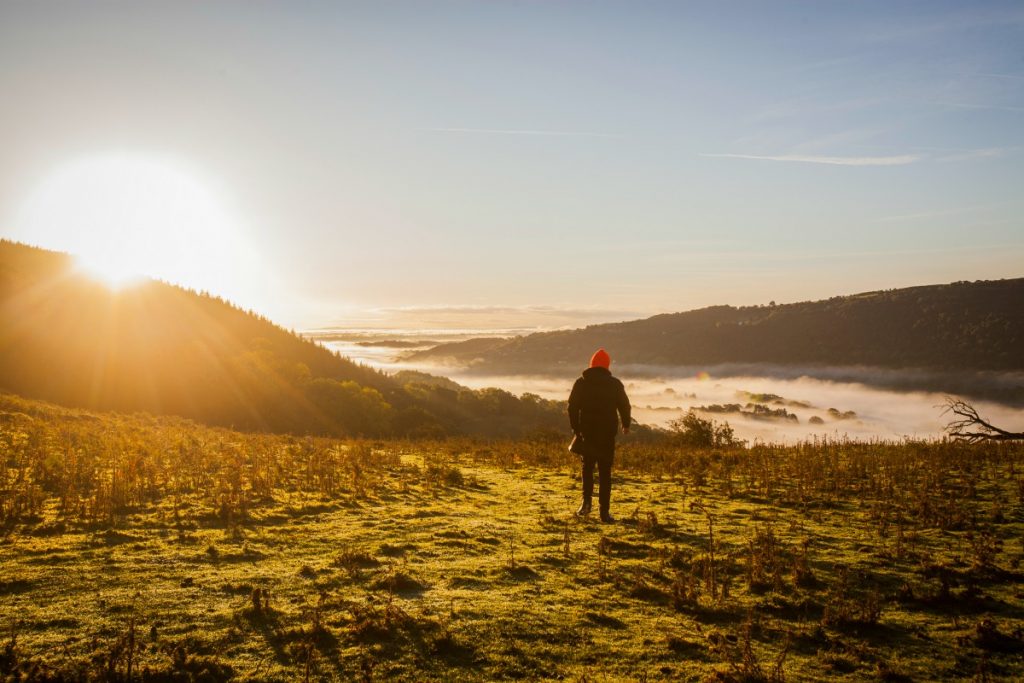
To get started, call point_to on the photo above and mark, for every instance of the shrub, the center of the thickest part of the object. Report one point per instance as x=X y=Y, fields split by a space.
x=696 y=432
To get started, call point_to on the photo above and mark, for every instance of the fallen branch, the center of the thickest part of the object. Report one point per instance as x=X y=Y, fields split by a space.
x=969 y=426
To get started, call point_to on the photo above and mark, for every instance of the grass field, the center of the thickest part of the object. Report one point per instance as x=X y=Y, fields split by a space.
x=155 y=549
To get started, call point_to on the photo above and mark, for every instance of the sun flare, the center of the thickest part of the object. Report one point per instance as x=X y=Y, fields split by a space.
x=128 y=217
x=112 y=269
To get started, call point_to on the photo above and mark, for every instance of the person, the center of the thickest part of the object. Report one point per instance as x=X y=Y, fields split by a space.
x=596 y=404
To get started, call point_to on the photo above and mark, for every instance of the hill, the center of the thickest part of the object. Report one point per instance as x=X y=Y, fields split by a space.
x=964 y=326
x=163 y=349
x=155 y=549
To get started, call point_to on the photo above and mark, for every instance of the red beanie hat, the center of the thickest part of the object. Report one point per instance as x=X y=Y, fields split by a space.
x=600 y=359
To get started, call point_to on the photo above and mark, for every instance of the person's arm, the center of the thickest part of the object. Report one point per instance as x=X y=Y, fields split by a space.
x=574 y=408
x=624 y=408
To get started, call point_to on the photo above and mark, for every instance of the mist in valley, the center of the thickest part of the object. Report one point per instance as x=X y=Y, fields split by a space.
x=844 y=408
x=795 y=405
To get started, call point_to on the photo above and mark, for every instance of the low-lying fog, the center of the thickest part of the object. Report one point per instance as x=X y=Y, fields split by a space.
x=803 y=406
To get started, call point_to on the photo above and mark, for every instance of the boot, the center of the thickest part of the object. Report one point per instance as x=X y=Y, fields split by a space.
x=584 y=509
x=606 y=517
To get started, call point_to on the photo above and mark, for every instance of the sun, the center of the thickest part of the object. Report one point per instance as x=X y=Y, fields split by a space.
x=125 y=217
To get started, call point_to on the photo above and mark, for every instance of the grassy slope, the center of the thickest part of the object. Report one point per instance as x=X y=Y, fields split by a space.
x=450 y=562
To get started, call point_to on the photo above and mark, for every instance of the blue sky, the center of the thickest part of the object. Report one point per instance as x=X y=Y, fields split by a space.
x=567 y=161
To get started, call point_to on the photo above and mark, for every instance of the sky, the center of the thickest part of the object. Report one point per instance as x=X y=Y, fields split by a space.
x=521 y=163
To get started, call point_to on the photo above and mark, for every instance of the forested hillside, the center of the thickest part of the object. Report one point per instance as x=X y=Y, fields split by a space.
x=162 y=349
x=959 y=326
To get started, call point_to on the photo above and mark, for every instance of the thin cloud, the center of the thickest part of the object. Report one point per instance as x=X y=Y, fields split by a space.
x=974 y=105
x=504 y=320
x=744 y=262
x=942 y=212
x=519 y=131
x=953 y=23
x=802 y=106
x=972 y=154
x=473 y=309
x=898 y=160
x=1014 y=77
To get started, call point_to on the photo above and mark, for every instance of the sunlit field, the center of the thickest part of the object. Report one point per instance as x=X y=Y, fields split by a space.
x=293 y=297
x=156 y=549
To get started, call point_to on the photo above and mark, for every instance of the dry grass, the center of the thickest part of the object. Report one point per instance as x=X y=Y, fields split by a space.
x=137 y=548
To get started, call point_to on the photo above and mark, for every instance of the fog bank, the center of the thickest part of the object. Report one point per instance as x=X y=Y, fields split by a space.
x=887 y=404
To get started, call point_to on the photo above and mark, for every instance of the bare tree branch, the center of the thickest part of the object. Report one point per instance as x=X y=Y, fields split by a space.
x=967 y=425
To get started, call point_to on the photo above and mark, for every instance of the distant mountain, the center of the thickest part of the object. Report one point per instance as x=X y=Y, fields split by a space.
x=959 y=327
x=162 y=349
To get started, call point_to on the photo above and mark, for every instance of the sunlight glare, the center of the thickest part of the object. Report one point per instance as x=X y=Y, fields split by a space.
x=113 y=269
x=126 y=217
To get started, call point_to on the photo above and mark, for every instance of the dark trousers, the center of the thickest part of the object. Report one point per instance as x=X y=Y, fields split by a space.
x=601 y=454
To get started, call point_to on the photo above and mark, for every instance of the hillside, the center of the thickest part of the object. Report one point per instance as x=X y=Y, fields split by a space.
x=156 y=549
x=162 y=349
x=964 y=326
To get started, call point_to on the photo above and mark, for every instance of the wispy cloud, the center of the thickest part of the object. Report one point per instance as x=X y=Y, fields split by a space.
x=1012 y=77
x=897 y=160
x=744 y=260
x=942 y=212
x=979 y=105
x=958 y=22
x=489 y=310
x=525 y=131
x=983 y=153
x=815 y=105
x=503 y=319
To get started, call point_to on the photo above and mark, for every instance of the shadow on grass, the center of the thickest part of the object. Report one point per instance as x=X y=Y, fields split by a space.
x=521 y=573
x=13 y=586
x=604 y=620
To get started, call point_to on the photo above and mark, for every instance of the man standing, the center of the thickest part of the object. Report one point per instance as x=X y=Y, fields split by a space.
x=596 y=403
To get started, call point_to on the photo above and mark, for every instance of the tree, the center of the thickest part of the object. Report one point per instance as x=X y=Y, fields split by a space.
x=967 y=425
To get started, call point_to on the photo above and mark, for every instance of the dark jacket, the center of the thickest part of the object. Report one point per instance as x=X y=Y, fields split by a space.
x=596 y=403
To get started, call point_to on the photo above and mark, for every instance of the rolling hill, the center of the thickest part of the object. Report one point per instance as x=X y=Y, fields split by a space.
x=964 y=327
x=163 y=349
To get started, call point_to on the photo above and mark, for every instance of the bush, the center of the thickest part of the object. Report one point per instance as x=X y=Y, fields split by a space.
x=697 y=432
